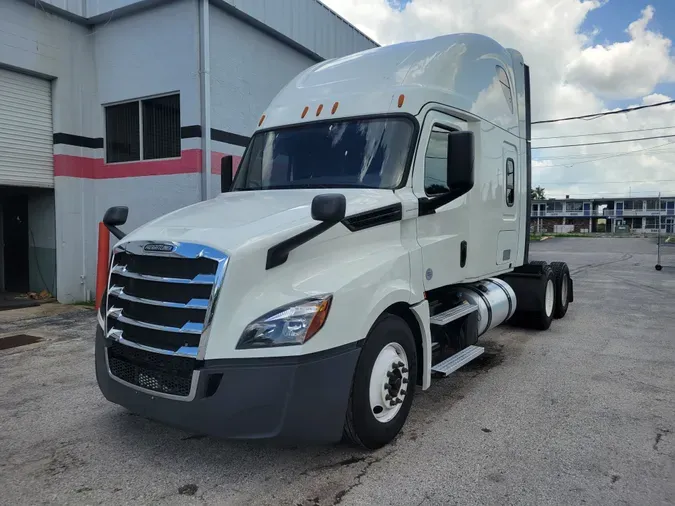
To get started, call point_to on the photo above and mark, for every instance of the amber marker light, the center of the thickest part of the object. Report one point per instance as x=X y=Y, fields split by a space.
x=319 y=318
x=304 y=112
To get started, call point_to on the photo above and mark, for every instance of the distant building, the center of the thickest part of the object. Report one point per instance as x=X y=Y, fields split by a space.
x=634 y=214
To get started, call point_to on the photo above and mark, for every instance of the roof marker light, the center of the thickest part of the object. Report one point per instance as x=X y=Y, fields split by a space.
x=304 y=112
x=401 y=98
x=319 y=109
x=335 y=107
x=262 y=119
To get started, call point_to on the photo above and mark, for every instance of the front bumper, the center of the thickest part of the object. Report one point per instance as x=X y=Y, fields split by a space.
x=295 y=398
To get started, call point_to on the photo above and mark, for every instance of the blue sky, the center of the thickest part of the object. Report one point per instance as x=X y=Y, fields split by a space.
x=613 y=18
x=613 y=70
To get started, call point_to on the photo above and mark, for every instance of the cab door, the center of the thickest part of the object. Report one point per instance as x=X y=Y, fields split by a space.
x=507 y=238
x=443 y=234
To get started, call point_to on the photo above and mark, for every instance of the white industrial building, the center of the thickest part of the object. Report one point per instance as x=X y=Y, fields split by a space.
x=106 y=102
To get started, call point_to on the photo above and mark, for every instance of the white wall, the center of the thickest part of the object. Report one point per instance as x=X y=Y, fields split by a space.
x=132 y=53
x=307 y=22
x=248 y=68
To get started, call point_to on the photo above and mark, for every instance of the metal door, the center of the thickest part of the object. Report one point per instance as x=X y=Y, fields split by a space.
x=26 y=135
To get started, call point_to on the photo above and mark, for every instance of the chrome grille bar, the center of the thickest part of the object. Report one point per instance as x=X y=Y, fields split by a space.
x=201 y=279
x=118 y=291
x=183 y=351
x=188 y=328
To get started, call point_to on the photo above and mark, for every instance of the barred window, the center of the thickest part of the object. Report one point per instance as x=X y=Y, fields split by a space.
x=147 y=129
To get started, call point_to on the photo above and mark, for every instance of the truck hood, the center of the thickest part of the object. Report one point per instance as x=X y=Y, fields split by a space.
x=232 y=220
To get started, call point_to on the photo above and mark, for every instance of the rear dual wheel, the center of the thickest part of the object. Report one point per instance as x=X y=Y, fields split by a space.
x=541 y=318
x=563 y=285
x=555 y=295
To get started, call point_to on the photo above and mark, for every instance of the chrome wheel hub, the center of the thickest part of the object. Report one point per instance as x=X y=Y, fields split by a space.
x=389 y=382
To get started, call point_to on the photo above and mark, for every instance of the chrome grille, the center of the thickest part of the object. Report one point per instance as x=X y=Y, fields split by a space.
x=160 y=299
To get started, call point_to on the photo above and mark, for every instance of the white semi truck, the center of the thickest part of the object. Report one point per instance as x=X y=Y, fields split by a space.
x=377 y=226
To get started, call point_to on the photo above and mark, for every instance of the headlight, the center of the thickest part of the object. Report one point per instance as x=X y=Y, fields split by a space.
x=288 y=325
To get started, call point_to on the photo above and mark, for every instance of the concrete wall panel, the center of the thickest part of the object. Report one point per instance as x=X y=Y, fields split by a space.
x=248 y=68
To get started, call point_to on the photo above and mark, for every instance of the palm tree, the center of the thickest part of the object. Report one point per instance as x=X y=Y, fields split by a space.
x=538 y=193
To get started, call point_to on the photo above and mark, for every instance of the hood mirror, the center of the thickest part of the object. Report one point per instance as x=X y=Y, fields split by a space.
x=329 y=207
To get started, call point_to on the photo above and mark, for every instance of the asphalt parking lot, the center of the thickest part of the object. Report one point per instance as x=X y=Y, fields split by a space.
x=581 y=414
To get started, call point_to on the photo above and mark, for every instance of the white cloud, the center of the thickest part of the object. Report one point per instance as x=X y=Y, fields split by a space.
x=626 y=69
x=571 y=75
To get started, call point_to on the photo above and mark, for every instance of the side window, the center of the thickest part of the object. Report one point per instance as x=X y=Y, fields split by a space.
x=435 y=162
x=506 y=87
x=510 y=181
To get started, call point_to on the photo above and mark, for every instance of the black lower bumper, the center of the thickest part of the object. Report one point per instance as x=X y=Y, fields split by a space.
x=294 y=398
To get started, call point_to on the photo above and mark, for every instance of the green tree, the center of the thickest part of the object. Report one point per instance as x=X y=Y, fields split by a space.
x=538 y=193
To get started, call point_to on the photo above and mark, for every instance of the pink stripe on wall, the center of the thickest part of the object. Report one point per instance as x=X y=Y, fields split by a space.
x=190 y=162
x=215 y=162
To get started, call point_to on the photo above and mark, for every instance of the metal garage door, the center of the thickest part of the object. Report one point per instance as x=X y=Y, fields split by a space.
x=26 y=153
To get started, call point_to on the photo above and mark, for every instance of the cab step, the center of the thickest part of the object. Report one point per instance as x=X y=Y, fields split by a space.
x=451 y=364
x=453 y=314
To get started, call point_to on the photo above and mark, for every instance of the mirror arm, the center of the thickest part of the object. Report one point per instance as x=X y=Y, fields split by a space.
x=115 y=231
x=277 y=255
x=429 y=205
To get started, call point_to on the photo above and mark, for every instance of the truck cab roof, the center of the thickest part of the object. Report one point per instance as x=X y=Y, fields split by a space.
x=472 y=72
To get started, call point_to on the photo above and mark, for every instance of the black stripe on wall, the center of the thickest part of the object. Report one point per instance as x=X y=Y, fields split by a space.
x=190 y=132
x=78 y=140
x=229 y=137
x=194 y=131
x=186 y=132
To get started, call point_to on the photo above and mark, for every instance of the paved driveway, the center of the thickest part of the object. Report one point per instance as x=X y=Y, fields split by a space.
x=582 y=413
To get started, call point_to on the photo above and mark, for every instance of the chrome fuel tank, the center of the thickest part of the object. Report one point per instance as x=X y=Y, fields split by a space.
x=495 y=299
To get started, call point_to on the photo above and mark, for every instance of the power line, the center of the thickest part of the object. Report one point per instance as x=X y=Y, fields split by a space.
x=608 y=157
x=592 y=156
x=602 y=133
x=609 y=182
x=601 y=114
x=606 y=142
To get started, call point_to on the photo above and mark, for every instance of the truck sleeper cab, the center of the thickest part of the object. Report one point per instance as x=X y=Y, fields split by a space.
x=377 y=226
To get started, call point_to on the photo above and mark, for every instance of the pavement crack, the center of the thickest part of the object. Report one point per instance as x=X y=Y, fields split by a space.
x=626 y=256
x=370 y=461
x=659 y=435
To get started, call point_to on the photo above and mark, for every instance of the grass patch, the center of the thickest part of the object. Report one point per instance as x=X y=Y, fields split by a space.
x=573 y=234
x=541 y=237
x=84 y=303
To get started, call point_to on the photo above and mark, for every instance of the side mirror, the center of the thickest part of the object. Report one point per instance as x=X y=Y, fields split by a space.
x=225 y=173
x=459 y=172
x=329 y=207
x=460 y=162
x=114 y=217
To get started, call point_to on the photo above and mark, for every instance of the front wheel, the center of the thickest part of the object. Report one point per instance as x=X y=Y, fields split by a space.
x=384 y=384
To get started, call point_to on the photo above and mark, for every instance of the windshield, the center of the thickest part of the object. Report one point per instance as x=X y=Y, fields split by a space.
x=355 y=153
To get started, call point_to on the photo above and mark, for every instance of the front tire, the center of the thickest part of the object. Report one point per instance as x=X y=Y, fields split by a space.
x=384 y=384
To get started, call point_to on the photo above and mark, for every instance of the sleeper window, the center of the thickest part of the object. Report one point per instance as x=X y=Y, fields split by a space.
x=510 y=181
